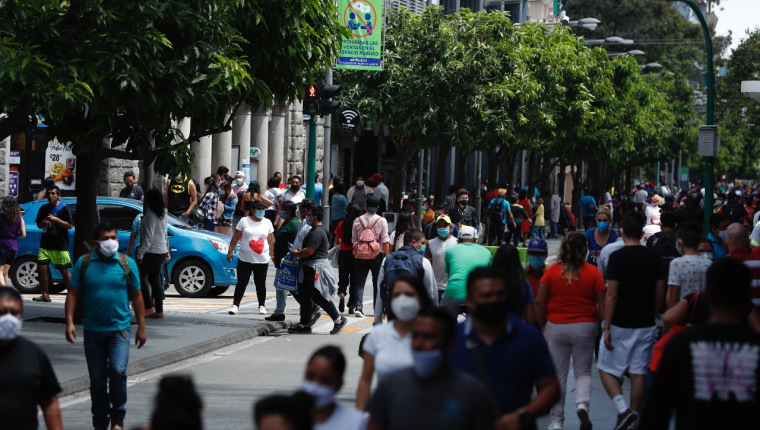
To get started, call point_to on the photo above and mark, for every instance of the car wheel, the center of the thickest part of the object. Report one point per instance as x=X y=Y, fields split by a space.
x=24 y=275
x=218 y=290
x=192 y=278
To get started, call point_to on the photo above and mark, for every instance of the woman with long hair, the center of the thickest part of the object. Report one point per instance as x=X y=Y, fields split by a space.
x=11 y=228
x=403 y=224
x=389 y=346
x=507 y=261
x=346 y=266
x=153 y=251
x=601 y=235
x=569 y=307
x=246 y=199
x=272 y=193
x=209 y=203
x=229 y=199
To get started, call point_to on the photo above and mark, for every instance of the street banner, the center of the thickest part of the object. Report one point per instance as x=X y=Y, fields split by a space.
x=364 y=18
x=60 y=164
x=13 y=182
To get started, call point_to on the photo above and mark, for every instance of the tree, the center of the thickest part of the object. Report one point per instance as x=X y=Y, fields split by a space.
x=125 y=70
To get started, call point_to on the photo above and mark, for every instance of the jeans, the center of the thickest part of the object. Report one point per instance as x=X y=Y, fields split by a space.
x=553 y=228
x=308 y=295
x=184 y=219
x=564 y=341
x=107 y=354
x=209 y=225
x=496 y=233
x=244 y=271
x=346 y=273
x=452 y=306
x=537 y=231
x=150 y=280
x=280 y=295
x=363 y=267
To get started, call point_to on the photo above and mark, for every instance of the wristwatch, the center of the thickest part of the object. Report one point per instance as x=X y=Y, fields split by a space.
x=525 y=419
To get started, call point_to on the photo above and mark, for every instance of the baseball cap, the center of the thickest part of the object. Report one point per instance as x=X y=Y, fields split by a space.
x=444 y=218
x=376 y=178
x=239 y=173
x=468 y=232
x=538 y=245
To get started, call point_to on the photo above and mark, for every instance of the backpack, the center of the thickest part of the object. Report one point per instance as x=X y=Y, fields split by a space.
x=497 y=212
x=590 y=207
x=86 y=258
x=405 y=260
x=219 y=211
x=664 y=245
x=367 y=247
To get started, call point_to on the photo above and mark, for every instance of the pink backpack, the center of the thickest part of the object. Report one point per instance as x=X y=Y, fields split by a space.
x=367 y=247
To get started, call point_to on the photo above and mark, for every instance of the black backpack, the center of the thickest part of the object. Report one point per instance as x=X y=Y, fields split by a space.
x=664 y=245
x=405 y=260
x=497 y=211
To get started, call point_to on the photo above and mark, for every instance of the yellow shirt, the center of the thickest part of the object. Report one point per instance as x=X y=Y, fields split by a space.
x=540 y=222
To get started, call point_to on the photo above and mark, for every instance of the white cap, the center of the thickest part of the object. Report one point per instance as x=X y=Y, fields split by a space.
x=468 y=232
x=240 y=173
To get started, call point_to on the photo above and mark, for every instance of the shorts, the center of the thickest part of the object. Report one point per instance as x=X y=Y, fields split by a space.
x=633 y=350
x=7 y=256
x=60 y=259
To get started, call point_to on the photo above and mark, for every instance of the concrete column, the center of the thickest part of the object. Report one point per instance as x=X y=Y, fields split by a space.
x=5 y=147
x=277 y=140
x=260 y=139
x=221 y=154
x=241 y=134
x=203 y=158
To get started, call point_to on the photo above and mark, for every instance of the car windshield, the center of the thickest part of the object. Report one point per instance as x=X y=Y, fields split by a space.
x=176 y=222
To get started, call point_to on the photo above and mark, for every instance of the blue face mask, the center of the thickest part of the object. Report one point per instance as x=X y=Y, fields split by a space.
x=282 y=214
x=536 y=262
x=308 y=221
x=427 y=362
x=238 y=181
x=260 y=213
x=443 y=232
x=602 y=226
x=422 y=249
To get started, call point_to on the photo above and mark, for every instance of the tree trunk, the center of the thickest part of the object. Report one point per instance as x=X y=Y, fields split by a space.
x=87 y=192
x=404 y=154
x=443 y=188
x=577 y=188
x=494 y=160
x=561 y=180
x=462 y=170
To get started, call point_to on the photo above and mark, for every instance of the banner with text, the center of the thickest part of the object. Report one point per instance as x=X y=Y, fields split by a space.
x=364 y=18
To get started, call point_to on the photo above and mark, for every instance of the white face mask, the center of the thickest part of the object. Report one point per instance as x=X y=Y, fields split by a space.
x=323 y=395
x=10 y=327
x=109 y=247
x=405 y=308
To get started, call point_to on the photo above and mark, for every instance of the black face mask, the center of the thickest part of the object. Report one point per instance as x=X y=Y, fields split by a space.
x=463 y=202
x=491 y=313
x=295 y=188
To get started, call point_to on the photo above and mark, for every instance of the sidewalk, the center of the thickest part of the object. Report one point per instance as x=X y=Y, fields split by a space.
x=170 y=340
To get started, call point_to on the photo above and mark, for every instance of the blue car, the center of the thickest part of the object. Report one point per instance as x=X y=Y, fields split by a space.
x=198 y=265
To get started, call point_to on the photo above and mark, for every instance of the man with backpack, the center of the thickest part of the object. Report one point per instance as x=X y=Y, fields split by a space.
x=370 y=236
x=107 y=281
x=588 y=209
x=409 y=259
x=498 y=212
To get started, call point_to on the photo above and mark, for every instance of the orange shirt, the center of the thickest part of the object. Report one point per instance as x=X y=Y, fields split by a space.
x=576 y=302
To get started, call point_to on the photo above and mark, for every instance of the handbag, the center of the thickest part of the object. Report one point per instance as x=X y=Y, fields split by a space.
x=288 y=278
x=196 y=216
x=332 y=255
x=659 y=346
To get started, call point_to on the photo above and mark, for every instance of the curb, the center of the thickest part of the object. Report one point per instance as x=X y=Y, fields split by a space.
x=82 y=383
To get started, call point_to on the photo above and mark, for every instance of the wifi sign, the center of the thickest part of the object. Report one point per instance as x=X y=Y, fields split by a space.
x=348 y=119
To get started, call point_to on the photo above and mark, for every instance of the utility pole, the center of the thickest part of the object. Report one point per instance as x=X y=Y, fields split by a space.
x=326 y=155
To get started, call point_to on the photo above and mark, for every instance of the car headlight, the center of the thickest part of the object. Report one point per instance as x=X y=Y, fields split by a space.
x=220 y=246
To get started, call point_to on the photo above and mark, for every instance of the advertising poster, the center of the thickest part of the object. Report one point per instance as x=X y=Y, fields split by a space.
x=13 y=182
x=60 y=164
x=364 y=18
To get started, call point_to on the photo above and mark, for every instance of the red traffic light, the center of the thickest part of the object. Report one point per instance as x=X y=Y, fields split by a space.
x=312 y=92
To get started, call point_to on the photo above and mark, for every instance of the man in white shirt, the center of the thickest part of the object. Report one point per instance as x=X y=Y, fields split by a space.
x=381 y=191
x=294 y=194
x=238 y=184
x=436 y=253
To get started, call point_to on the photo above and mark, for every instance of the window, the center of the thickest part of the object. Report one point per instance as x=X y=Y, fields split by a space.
x=120 y=216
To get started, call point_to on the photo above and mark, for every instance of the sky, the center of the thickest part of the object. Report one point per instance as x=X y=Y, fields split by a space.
x=737 y=16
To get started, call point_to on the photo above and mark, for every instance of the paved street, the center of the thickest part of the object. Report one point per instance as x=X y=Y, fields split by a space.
x=234 y=360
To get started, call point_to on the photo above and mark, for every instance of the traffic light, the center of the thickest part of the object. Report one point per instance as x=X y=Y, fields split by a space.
x=316 y=99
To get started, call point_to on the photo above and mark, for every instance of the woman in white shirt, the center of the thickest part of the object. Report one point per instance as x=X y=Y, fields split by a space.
x=256 y=236
x=153 y=251
x=322 y=381
x=388 y=347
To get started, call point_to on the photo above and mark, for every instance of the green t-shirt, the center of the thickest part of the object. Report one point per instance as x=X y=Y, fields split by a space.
x=460 y=260
x=284 y=235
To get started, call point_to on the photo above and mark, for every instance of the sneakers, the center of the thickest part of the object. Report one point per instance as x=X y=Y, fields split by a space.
x=583 y=416
x=625 y=419
x=275 y=317
x=315 y=317
x=350 y=310
x=233 y=310
x=555 y=425
x=339 y=325
x=156 y=315
x=117 y=426
x=150 y=311
x=262 y=310
x=299 y=329
x=42 y=299
x=342 y=304
x=358 y=313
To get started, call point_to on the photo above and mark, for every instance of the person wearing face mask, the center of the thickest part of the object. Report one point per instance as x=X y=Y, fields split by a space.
x=436 y=252
x=181 y=197
x=255 y=234
x=209 y=203
x=273 y=193
x=358 y=193
x=372 y=223
x=538 y=251
x=431 y=391
x=131 y=190
x=388 y=347
x=508 y=356
x=569 y=305
x=460 y=260
x=27 y=379
x=600 y=236
x=229 y=199
x=464 y=214
x=105 y=294
x=539 y=220
x=283 y=236
x=407 y=259
x=718 y=226
x=153 y=251
x=322 y=381
x=238 y=182
x=687 y=273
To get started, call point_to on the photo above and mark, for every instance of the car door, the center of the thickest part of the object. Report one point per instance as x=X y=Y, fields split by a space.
x=122 y=217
